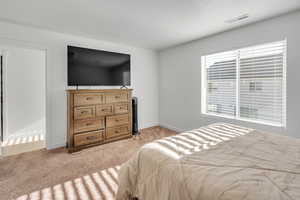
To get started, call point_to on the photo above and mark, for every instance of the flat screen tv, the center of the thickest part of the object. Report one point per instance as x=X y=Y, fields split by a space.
x=96 y=67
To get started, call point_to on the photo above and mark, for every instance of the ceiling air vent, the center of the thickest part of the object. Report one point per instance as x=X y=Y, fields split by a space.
x=238 y=19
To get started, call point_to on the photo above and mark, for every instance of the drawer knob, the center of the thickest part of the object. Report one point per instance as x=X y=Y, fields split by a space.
x=88 y=124
x=116 y=131
x=89 y=98
x=82 y=112
x=91 y=137
x=117 y=97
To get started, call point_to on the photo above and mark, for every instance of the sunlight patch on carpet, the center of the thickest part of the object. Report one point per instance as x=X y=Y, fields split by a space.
x=101 y=185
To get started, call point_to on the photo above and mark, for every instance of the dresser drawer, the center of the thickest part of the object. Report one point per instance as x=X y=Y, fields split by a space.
x=117 y=131
x=84 y=112
x=88 y=125
x=117 y=120
x=88 y=138
x=121 y=108
x=117 y=97
x=104 y=110
x=88 y=99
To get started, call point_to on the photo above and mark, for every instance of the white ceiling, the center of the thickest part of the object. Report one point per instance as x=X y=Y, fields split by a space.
x=152 y=24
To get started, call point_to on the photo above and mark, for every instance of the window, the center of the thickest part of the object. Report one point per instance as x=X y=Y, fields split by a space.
x=246 y=84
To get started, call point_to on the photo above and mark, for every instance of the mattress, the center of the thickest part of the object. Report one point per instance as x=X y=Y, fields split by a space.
x=216 y=162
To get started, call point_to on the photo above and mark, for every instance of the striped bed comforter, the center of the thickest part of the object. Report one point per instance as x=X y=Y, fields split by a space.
x=216 y=162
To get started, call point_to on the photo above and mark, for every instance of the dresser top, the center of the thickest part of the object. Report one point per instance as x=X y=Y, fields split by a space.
x=97 y=90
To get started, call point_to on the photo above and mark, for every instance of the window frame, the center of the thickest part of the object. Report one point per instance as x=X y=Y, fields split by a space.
x=204 y=88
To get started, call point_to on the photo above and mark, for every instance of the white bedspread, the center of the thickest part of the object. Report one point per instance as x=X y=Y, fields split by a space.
x=217 y=162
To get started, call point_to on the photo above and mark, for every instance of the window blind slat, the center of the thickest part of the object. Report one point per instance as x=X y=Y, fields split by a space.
x=221 y=79
x=262 y=99
x=260 y=83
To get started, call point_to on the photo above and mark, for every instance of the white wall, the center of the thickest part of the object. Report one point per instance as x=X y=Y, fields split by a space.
x=24 y=85
x=180 y=73
x=144 y=74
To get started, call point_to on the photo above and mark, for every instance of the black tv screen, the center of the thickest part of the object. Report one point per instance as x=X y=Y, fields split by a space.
x=96 y=67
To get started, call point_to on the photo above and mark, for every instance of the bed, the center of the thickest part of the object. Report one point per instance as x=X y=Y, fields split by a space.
x=216 y=162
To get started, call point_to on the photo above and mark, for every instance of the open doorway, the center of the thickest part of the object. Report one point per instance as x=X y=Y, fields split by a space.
x=23 y=103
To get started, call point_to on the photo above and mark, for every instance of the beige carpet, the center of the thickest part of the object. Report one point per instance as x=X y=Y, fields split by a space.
x=57 y=175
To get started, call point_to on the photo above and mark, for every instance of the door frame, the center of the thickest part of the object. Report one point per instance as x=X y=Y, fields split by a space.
x=3 y=54
x=1 y=100
x=14 y=42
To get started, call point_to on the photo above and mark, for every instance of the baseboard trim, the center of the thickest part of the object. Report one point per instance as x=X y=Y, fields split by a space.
x=18 y=148
x=149 y=128
x=173 y=128
x=56 y=146
x=149 y=125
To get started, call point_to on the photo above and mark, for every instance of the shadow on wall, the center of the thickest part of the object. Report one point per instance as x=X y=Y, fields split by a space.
x=36 y=128
x=23 y=140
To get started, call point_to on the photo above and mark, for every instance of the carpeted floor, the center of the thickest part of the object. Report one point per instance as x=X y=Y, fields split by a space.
x=57 y=175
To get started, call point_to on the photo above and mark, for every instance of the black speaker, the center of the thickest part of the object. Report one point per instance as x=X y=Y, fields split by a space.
x=135 y=126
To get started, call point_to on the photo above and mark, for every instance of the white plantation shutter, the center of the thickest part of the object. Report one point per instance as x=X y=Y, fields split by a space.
x=248 y=84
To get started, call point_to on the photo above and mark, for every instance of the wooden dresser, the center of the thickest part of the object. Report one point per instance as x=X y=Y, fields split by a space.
x=98 y=116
